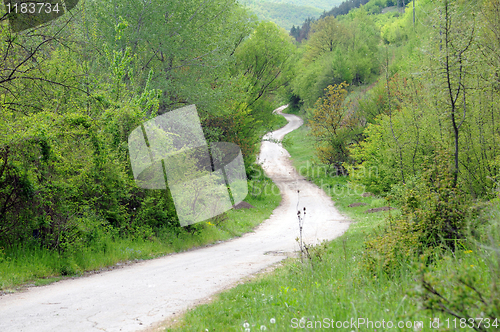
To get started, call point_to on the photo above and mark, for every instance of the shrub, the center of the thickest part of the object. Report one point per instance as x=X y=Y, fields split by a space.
x=333 y=125
x=434 y=215
x=467 y=292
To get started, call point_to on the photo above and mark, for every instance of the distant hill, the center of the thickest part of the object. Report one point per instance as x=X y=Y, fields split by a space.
x=372 y=7
x=287 y=13
x=320 y=4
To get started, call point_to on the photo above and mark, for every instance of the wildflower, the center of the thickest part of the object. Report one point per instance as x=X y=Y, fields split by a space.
x=247 y=330
x=263 y=328
x=272 y=320
x=246 y=325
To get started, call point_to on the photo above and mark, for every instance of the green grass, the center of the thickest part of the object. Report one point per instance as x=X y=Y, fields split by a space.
x=277 y=122
x=333 y=284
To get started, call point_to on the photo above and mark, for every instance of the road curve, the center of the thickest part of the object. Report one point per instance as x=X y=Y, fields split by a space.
x=139 y=296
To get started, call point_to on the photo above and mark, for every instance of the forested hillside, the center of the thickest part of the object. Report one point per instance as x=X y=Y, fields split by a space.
x=287 y=13
x=73 y=89
x=405 y=105
x=318 y=4
x=371 y=7
x=284 y=14
x=416 y=61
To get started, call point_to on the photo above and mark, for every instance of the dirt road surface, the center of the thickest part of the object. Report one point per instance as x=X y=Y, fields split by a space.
x=142 y=295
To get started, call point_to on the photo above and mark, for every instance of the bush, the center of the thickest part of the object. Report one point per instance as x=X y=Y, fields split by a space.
x=434 y=215
x=333 y=125
x=465 y=286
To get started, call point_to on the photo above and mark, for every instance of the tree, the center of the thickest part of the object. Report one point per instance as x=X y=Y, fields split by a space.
x=326 y=35
x=188 y=45
x=337 y=52
x=261 y=59
x=458 y=42
x=305 y=29
x=333 y=124
x=490 y=45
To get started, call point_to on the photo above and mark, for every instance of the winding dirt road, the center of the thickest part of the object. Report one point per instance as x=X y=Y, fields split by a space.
x=142 y=295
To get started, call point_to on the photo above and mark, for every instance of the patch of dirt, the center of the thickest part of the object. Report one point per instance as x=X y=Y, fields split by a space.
x=9 y=291
x=281 y=253
x=243 y=205
x=383 y=208
x=357 y=204
x=389 y=9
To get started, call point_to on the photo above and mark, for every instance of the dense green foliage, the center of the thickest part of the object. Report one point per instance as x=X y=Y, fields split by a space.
x=422 y=130
x=333 y=125
x=337 y=51
x=72 y=90
x=441 y=98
